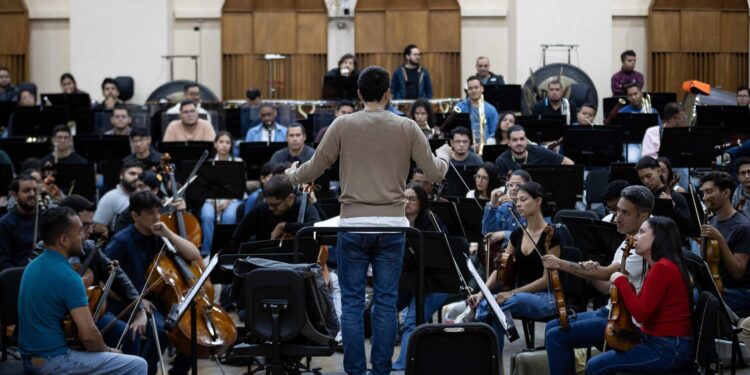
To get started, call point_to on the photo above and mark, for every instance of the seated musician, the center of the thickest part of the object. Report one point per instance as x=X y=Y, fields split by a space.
x=98 y=269
x=612 y=197
x=507 y=120
x=521 y=153
x=191 y=91
x=189 y=127
x=111 y=94
x=63 y=152
x=475 y=90
x=419 y=216
x=120 y=121
x=344 y=107
x=143 y=152
x=497 y=220
x=663 y=306
x=486 y=180
x=253 y=96
x=50 y=290
x=672 y=175
x=268 y=130
x=586 y=114
x=741 y=197
x=26 y=97
x=135 y=247
x=275 y=216
x=649 y=171
x=743 y=96
x=115 y=202
x=17 y=226
x=527 y=296
x=296 y=149
x=635 y=102
x=732 y=230
x=461 y=143
x=674 y=117
x=587 y=329
x=421 y=112
x=418 y=175
x=555 y=104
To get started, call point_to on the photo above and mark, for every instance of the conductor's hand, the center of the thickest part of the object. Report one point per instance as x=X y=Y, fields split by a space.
x=446 y=150
x=551 y=262
x=292 y=168
x=473 y=300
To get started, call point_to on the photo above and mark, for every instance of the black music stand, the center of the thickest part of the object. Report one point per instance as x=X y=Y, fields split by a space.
x=726 y=116
x=339 y=87
x=624 y=171
x=609 y=103
x=38 y=121
x=6 y=109
x=593 y=146
x=255 y=154
x=544 y=128
x=455 y=182
x=437 y=143
x=491 y=152
x=595 y=238
x=19 y=150
x=110 y=170
x=471 y=212
x=448 y=214
x=96 y=148
x=185 y=150
x=77 y=100
x=6 y=177
x=503 y=97
x=634 y=125
x=442 y=274
x=232 y=122
x=690 y=147
x=563 y=185
x=695 y=221
x=659 y=100
x=77 y=179
x=217 y=180
x=179 y=309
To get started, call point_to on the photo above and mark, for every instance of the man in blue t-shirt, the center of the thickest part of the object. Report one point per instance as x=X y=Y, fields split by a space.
x=51 y=290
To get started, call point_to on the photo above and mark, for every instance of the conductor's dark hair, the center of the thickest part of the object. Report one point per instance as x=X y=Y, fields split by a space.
x=407 y=49
x=625 y=54
x=722 y=180
x=373 y=82
x=77 y=203
x=54 y=223
x=743 y=88
x=110 y=81
x=144 y=200
x=671 y=110
x=640 y=196
x=278 y=187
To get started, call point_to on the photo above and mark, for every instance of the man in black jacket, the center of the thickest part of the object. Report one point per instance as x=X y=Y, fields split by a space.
x=276 y=215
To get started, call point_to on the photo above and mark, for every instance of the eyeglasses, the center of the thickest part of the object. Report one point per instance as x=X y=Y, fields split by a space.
x=481 y=178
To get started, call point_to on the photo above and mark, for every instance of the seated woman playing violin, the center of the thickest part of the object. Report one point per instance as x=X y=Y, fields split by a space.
x=528 y=295
x=662 y=307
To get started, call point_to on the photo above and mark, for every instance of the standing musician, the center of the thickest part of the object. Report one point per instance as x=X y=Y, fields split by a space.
x=96 y=271
x=17 y=227
x=741 y=197
x=555 y=104
x=627 y=74
x=486 y=117
x=732 y=230
x=663 y=306
x=50 y=290
x=135 y=247
x=587 y=329
x=528 y=296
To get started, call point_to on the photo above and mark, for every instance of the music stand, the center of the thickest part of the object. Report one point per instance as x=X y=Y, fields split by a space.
x=441 y=274
x=448 y=214
x=491 y=152
x=659 y=100
x=19 y=150
x=38 y=121
x=6 y=109
x=595 y=238
x=691 y=147
x=503 y=97
x=634 y=125
x=74 y=101
x=178 y=310
x=455 y=182
x=255 y=154
x=96 y=148
x=695 y=221
x=563 y=184
x=505 y=319
x=77 y=179
x=471 y=215
x=339 y=87
x=546 y=128
x=110 y=170
x=593 y=145
x=624 y=171
x=185 y=150
x=731 y=118
x=217 y=180
x=6 y=177
x=609 y=103
x=232 y=122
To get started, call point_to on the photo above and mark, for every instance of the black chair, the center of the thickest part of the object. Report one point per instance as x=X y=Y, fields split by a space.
x=596 y=184
x=126 y=86
x=278 y=323
x=574 y=213
x=10 y=285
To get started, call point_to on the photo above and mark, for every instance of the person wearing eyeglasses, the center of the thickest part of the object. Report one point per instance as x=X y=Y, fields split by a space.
x=461 y=143
x=120 y=121
x=485 y=181
x=742 y=193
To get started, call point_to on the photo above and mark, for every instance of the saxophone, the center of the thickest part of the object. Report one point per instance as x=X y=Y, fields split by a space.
x=482 y=123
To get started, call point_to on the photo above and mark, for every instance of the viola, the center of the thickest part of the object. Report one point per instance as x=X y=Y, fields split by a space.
x=556 y=284
x=184 y=223
x=97 y=297
x=711 y=252
x=620 y=333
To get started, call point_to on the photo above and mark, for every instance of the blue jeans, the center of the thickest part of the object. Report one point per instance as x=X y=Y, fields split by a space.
x=432 y=303
x=738 y=299
x=208 y=220
x=586 y=329
x=653 y=354
x=385 y=251
x=522 y=305
x=112 y=336
x=86 y=363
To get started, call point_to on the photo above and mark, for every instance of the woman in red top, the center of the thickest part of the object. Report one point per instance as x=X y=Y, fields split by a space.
x=662 y=308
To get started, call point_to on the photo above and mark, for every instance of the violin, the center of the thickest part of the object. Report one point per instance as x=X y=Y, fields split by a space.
x=83 y=269
x=184 y=223
x=556 y=285
x=97 y=297
x=620 y=333
x=711 y=252
x=553 y=145
x=172 y=280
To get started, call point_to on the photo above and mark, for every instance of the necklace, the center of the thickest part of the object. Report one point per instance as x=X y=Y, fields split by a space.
x=524 y=159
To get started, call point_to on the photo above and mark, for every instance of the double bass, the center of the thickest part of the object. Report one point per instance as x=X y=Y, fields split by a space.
x=620 y=333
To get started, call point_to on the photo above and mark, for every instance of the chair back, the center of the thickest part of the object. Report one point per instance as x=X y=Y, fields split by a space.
x=10 y=286
x=265 y=286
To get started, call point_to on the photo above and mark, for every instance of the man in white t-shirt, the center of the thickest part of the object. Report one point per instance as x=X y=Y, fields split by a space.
x=587 y=329
x=117 y=200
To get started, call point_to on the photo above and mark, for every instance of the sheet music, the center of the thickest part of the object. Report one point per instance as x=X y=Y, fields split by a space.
x=506 y=321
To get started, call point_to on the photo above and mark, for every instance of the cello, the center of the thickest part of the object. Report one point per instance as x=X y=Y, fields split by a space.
x=620 y=333
x=184 y=223
x=97 y=297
